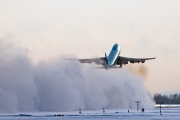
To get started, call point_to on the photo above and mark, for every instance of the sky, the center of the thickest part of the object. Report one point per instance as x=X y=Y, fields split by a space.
x=85 y=29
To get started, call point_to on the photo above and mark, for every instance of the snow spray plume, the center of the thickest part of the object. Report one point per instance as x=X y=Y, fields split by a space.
x=60 y=85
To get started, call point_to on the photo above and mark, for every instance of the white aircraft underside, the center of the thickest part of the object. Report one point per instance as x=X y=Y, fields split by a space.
x=114 y=59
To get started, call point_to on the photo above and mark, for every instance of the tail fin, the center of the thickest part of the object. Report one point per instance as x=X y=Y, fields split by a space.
x=105 y=56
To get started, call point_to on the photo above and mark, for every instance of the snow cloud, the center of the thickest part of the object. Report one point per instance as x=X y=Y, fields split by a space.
x=60 y=85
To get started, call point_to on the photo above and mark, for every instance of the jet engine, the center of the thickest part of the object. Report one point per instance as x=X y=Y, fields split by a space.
x=131 y=61
x=143 y=61
x=125 y=62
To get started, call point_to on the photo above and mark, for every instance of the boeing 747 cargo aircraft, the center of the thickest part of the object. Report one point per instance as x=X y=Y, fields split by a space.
x=114 y=59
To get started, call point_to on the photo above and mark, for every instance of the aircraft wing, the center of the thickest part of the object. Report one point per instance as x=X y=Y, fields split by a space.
x=99 y=61
x=125 y=60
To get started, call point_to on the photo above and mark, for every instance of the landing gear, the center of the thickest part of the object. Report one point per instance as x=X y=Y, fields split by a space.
x=120 y=65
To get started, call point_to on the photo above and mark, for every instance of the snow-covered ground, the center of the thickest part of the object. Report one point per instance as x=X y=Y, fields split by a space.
x=150 y=114
x=168 y=106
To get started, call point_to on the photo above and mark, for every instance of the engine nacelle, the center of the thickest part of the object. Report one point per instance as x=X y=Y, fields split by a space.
x=131 y=61
x=125 y=62
x=143 y=61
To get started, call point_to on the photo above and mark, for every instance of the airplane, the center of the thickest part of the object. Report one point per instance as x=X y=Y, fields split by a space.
x=114 y=59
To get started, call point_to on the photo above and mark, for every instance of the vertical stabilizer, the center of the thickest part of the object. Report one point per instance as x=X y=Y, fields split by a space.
x=106 y=62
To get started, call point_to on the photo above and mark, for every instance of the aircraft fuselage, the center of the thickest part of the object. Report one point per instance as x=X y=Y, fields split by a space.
x=113 y=55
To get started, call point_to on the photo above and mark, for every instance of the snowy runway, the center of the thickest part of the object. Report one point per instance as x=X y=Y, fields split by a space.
x=151 y=114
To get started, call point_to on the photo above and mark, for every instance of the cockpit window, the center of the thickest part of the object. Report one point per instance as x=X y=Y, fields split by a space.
x=115 y=47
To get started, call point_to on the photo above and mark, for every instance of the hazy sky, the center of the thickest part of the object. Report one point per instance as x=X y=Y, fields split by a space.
x=88 y=28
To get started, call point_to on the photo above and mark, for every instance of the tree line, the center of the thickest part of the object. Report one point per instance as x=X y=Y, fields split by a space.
x=167 y=99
